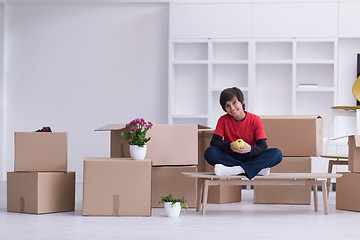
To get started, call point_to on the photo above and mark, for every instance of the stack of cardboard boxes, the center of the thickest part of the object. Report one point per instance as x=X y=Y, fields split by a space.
x=348 y=186
x=40 y=182
x=173 y=149
x=298 y=138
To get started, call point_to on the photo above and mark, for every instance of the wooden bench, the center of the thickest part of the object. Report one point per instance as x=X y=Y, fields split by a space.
x=207 y=179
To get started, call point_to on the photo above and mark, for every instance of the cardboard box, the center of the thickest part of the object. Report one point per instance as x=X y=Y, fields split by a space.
x=169 y=144
x=222 y=193
x=169 y=180
x=354 y=153
x=286 y=194
x=40 y=192
x=41 y=151
x=295 y=136
x=204 y=138
x=348 y=191
x=117 y=187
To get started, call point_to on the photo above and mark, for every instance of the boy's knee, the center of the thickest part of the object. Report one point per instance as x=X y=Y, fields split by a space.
x=210 y=155
x=276 y=155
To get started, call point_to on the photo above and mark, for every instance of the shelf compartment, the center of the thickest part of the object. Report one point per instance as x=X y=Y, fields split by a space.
x=315 y=51
x=190 y=51
x=317 y=103
x=190 y=120
x=190 y=89
x=229 y=75
x=320 y=74
x=231 y=50
x=274 y=51
x=274 y=89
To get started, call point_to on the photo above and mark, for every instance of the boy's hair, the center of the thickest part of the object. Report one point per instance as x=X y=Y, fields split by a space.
x=228 y=94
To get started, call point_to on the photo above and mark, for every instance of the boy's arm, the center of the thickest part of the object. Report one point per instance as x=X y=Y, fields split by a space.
x=217 y=141
x=261 y=146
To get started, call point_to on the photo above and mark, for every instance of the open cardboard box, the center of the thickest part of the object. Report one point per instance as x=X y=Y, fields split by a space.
x=354 y=153
x=41 y=151
x=295 y=136
x=169 y=144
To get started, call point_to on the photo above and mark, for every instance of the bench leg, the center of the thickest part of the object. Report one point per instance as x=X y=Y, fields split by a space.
x=325 y=195
x=328 y=181
x=315 y=197
x=199 y=194
x=205 y=196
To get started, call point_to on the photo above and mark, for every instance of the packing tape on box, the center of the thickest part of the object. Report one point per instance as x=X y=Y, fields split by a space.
x=22 y=204
x=116 y=205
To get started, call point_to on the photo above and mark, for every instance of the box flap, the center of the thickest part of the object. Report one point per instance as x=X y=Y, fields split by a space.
x=111 y=127
x=291 y=117
x=357 y=140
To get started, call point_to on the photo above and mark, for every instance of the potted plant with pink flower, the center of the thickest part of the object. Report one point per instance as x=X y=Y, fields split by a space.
x=136 y=137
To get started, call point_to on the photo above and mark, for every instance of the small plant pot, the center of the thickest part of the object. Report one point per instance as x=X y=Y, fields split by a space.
x=172 y=210
x=137 y=153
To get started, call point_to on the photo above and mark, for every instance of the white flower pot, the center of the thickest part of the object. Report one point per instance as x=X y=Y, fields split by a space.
x=172 y=210
x=137 y=153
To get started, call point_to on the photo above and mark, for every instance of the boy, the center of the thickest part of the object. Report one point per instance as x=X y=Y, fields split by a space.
x=251 y=159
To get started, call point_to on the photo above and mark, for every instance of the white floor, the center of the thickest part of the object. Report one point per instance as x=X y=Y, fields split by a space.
x=242 y=220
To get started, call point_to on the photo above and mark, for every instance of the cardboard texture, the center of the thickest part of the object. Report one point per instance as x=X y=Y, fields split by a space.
x=222 y=193
x=354 y=153
x=169 y=144
x=40 y=151
x=348 y=191
x=286 y=194
x=40 y=192
x=169 y=180
x=295 y=136
x=117 y=187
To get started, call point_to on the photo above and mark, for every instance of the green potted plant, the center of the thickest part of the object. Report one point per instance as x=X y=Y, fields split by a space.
x=136 y=137
x=172 y=205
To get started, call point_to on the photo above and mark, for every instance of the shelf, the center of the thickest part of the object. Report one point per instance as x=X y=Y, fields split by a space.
x=184 y=62
x=243 y=89
x=274 y=62
x=230 y=62
x=189 y=116
x=314 y=89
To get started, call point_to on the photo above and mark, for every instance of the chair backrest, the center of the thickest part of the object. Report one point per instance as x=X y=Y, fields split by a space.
x=356 y=89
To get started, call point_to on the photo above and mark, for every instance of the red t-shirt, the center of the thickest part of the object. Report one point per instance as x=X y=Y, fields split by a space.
x=250 y=129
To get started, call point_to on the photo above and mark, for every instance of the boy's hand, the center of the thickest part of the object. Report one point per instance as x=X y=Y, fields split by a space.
x=244 y=149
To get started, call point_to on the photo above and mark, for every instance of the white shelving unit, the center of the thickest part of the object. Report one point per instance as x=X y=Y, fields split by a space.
x=277 y=76
x=198 y=71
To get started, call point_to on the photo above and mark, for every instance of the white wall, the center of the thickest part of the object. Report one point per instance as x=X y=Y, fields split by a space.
x=2 y=16
x=78 y=67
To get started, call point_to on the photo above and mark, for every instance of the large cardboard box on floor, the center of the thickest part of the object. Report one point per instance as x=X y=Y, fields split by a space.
x=40 y=151
x=169 y=144
x=295 y=136
x=117 y=187
x=354 y=153
x=222 y=193
x=169 y=180
x=40 y=192
x=286 y=194
x=348 y=191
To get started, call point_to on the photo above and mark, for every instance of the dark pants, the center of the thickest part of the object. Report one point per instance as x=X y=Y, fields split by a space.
x=251 y=166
